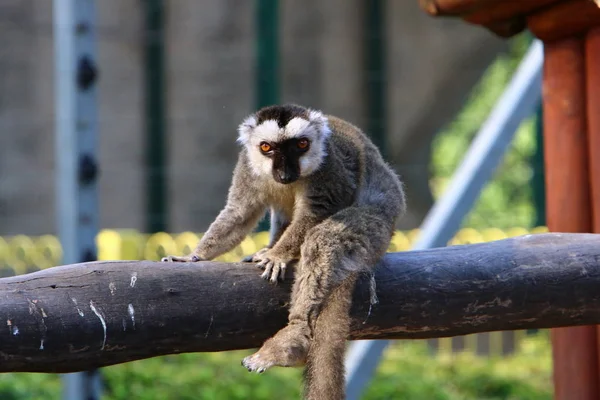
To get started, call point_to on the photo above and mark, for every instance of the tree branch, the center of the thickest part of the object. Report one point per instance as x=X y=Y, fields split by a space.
x=83 y=316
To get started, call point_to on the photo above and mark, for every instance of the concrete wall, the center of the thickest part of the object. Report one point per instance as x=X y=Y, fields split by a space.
x=432 y=65
x=26 y=118
x=210 y=68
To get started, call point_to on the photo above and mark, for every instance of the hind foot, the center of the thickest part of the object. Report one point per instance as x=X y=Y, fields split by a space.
x=288 y=348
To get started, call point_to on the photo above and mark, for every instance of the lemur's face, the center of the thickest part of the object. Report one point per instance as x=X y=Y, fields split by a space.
x=285 y=142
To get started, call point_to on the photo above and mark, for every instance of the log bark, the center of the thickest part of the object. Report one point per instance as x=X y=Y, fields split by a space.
x=90 y=315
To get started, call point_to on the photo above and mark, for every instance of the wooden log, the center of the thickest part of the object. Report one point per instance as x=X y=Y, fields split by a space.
x=563 y=20
x=83 y=316
x=568 y=201
x=453 y=7
x=502 y=11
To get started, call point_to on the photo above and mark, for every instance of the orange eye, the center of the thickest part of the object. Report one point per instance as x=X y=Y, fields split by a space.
x=265 y=147
x=302 y=143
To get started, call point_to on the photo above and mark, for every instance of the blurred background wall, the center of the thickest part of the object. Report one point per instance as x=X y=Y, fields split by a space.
x=429 y=68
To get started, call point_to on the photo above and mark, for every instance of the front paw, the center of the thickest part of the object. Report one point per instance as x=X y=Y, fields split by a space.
x=273 y=264
x=191 y=258
x=256 y=257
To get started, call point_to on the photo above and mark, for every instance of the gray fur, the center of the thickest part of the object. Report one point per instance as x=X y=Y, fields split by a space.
x=341 y=220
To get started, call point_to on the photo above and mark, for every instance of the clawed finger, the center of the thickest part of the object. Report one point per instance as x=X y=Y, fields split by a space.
x=282 y=272
x=278 y=272
x=268 y=270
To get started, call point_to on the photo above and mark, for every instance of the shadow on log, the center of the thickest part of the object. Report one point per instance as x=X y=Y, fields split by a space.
x=83 y=316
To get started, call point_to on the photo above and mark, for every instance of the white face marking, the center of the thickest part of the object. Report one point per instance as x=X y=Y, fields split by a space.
x=296 y=127
x=267 y=131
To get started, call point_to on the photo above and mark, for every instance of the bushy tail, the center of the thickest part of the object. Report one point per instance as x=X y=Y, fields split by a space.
x=324 y=377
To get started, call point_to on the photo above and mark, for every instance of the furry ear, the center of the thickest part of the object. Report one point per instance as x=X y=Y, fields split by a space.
x=245 y=129
x=317 y=118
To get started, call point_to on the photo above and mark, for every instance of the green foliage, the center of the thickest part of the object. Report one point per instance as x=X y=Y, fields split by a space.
x=29 y=387
x=507 y=201
x=409 y=371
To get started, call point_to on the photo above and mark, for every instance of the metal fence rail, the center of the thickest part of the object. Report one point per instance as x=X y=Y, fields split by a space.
x=76 y=146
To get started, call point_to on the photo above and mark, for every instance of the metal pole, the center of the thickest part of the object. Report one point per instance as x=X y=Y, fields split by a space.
x=76 y=165
x=538 y=181
x=267 y=53
x=156 y=143
x=518 y=101
x=267 y=78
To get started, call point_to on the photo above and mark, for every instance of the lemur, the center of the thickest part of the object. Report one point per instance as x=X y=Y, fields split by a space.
x=334 y=203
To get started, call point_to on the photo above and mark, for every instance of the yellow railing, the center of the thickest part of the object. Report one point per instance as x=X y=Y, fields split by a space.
x=22 y=253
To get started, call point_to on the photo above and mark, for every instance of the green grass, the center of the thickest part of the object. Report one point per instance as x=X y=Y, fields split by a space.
x=408 y=371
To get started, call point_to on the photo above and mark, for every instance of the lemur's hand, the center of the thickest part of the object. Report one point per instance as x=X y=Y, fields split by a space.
x=256 y=257
x=274 y=264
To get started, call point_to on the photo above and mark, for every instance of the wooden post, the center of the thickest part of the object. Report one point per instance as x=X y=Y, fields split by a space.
x=568 y=201
x=592 y=54
x=592 y=50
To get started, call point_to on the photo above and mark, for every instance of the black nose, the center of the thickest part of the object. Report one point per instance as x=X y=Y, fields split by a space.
x=285 y=178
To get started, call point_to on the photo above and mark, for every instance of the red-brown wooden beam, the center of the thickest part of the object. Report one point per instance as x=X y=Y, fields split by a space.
x=453 y=7
x=547 y=19
x=505 y=10
x=568 y=201
x=564 y=20
x=592 y=55
x=506 y=18
x=508 y=27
